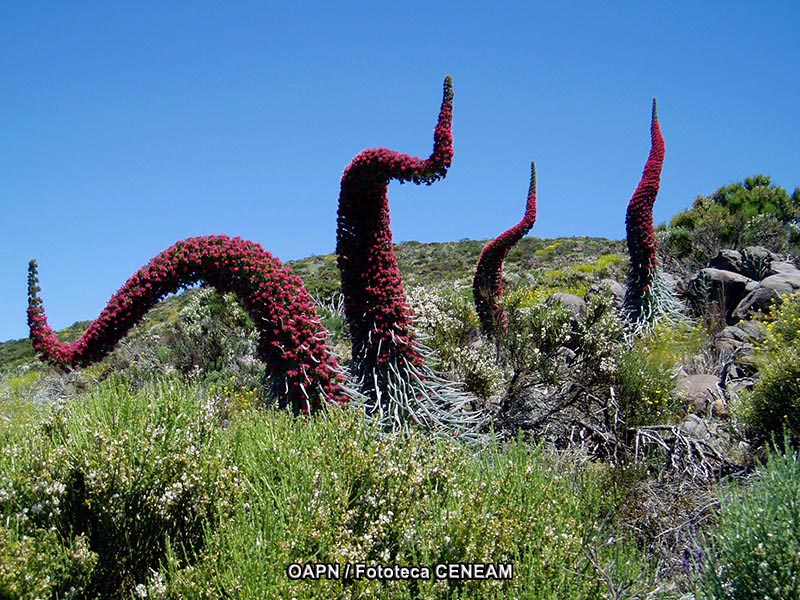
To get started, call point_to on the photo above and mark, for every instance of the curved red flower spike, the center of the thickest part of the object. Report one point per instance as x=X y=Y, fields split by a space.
x=292 y=340
x=487 y=285
x=641 y=236
x=374 y=298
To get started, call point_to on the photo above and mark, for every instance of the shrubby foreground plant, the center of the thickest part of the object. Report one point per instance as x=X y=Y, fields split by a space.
x=773 y=405
x=121 y=494
x=754 y=552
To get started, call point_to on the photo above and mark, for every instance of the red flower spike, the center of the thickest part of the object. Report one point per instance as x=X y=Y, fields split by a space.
x=268 y=290
x=487 y=285
x=374 y=298
x=641 y=236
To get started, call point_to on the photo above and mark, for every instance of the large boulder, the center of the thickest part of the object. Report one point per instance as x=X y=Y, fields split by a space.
x=702 y=394
x=727 y=260
x=782 y=266
x=612 y=286
x=770 y=291
x=739 y=341
x=755 y=304
x=759 y=252
x=783 y=283
x=725 y=288
x=574 y=303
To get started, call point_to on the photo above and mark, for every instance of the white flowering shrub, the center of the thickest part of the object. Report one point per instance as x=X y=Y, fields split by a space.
x=212 y=338
x=448 y=324
x=754 y=551
x=107 y=481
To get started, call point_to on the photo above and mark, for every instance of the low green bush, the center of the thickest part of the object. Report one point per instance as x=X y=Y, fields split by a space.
x=644 y=389
x=754 y=551
x=160 y=493
x=774 y=402
x=104 y=482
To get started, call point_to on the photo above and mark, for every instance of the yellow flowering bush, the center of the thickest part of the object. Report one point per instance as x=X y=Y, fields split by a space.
x=774 y=403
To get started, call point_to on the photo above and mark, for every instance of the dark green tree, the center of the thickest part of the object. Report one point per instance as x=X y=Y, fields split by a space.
x=753 y=211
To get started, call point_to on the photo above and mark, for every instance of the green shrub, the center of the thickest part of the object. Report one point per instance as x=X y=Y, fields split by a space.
x=644 y=389
x=734 y=216
x=448 y=324
x=645 y=373
x=107 y=481
x=754 y=551
x=168 y=493
x=335 y=490
x=43 y=565
x=774 y=402
x=537 y=332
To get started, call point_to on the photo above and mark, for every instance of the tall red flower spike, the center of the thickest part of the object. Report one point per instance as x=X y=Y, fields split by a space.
x=642 y=297
x=374 y=299
x=292 y=340
x=487 y=285
x=388 y=363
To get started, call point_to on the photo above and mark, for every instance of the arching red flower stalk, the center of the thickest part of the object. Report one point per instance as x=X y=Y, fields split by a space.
x=292 y=340
x=648 y=296
x=487 y=285
x=374 y=299
x=387 y=362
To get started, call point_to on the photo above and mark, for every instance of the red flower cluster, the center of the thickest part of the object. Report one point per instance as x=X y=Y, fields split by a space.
x=292 y=340
x=375 y=302
x=641 y=236
x=487 y=285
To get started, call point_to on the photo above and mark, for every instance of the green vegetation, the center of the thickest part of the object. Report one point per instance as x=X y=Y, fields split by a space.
x=181 y=493
x=774 y=403
x=752 y=212
x=754 y=551
x=160 y=472
x=646 y=372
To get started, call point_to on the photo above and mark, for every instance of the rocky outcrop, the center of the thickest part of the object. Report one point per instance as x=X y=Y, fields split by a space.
x=769 y=291
x=702 y=394
x=612 y=286
x=727 y=260
x=723 y=288
x=744 y=284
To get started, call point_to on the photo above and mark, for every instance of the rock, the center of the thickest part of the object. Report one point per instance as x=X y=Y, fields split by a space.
x=752 y=330
x=727 y=260
x=760 y=253
x=695 y=427
x=744 y=331
x=782 y=266
x=725 y=288
x=783 y=283
x=770 y=291
x=609 y=285
x=737 y=339
x=756 y=303
x=575 y=303
x=752 y=286
x=702 y=394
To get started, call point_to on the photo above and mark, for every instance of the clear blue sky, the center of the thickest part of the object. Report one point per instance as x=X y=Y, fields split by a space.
x=128 y=126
